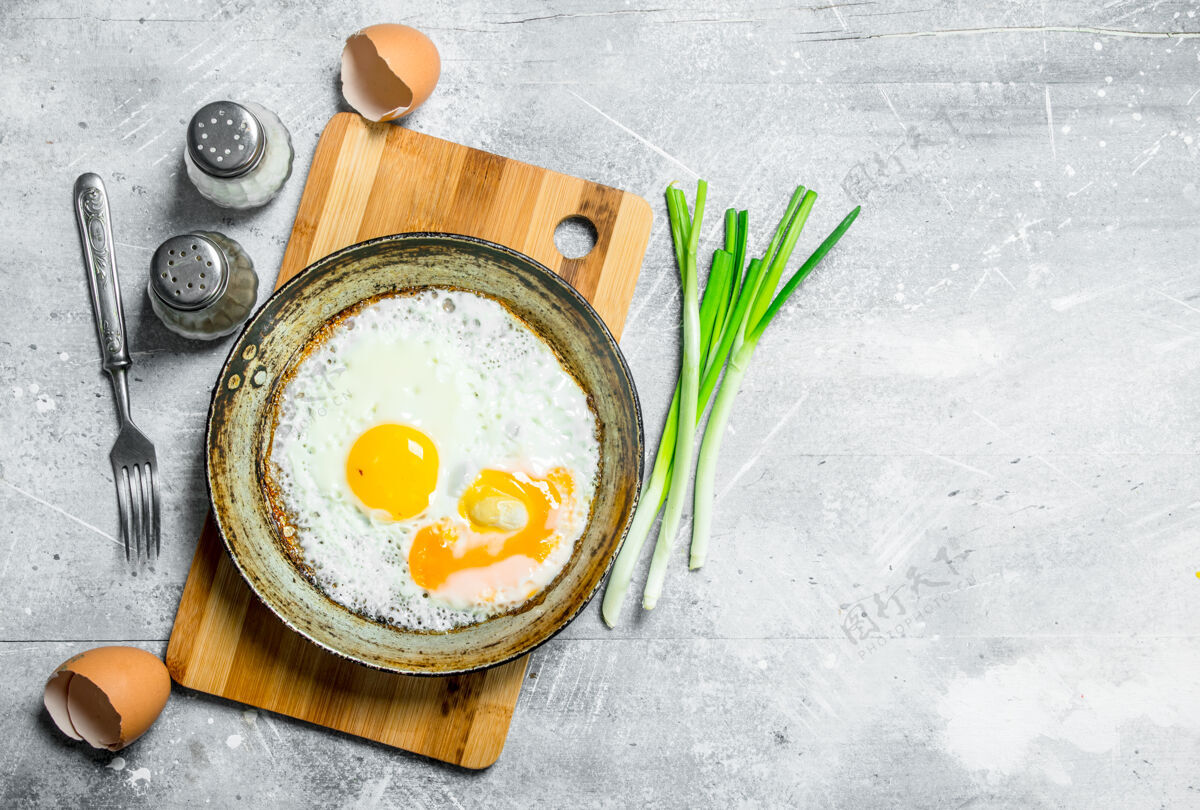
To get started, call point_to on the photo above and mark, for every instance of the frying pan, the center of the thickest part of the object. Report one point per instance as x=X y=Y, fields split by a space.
x=241 y=417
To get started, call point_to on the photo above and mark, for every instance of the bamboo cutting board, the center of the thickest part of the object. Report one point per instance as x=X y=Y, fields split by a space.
x=371 y=180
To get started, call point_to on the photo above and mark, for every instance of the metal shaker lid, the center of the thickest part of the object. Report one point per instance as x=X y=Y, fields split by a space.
x=189 y=272
x=224 y=139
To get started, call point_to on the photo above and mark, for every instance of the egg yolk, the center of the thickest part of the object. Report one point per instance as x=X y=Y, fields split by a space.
x=504 y=515
x=393 y=468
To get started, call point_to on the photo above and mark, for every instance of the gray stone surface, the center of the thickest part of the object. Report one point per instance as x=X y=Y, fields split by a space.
x=955 y=552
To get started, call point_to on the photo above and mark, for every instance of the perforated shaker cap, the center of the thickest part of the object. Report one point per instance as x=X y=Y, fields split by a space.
x=189 y=272
x=224 y=139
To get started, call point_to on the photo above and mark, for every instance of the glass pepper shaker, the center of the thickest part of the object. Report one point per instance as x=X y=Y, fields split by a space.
x=202 y=285
x=238 y=155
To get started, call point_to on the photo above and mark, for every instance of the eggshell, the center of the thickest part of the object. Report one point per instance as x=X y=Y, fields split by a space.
x=55 y=698
x=108 y=696
x=388 y=71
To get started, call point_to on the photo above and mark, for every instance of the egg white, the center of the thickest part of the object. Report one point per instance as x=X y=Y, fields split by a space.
x=483 y=386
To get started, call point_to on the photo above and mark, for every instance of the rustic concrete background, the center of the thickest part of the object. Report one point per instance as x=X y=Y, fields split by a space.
x=955 y=556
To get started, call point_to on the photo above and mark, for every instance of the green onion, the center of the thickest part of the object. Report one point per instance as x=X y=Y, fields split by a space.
x=729 y=319
x=689 y=375
x=710 y=446
x=729 y=276
x=762 y=297
x=651 y=500
x=654 y=492
x=806 y=268
x=753 y=272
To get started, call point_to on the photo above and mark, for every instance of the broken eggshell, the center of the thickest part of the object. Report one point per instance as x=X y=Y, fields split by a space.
x=388 y=70
x=108 y=696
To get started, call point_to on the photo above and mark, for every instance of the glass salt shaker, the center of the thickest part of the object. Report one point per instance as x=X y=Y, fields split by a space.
x=202 y=285
x=238 y=155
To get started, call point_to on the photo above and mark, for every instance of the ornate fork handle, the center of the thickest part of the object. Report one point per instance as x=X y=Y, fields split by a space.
x=95 y=236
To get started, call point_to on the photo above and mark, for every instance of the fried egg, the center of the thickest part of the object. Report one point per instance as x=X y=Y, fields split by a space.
x=432 y=463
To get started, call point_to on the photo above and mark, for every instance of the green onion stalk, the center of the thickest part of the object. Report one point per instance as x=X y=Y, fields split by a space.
x=689 y=372
x=727 y=324
x=682 y=467
x=764 y=310
x=714 y=316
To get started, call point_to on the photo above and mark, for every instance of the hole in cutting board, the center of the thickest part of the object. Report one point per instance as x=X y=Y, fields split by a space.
x=575 y=237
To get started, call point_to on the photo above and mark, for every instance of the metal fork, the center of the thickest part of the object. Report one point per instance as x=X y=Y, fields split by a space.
x=135 y=467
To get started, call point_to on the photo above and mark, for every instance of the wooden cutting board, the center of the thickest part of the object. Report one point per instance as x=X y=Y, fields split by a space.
x=371 y=180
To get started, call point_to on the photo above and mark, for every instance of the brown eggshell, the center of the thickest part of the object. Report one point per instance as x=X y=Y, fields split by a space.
x=108 y=696
x=388 y=70
x=55 y=698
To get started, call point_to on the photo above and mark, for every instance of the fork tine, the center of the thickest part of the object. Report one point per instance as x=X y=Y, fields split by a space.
x=155 y=527
x=147 y=508
x=121 y=477
x=143 y=480
x=139 y=519
x=135 y=507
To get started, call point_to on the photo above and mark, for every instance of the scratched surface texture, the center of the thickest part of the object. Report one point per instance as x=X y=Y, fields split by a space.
x=954 y=559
